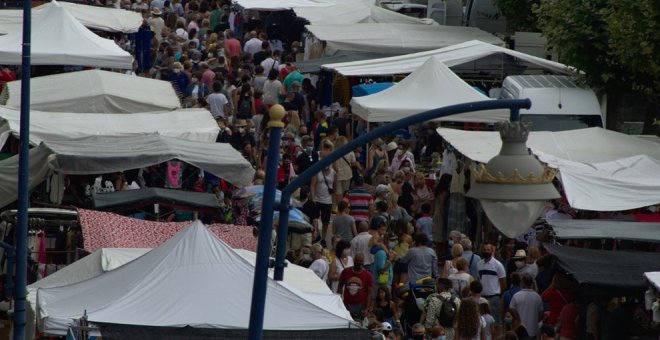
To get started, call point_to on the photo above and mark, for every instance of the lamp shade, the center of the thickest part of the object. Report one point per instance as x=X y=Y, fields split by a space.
x=513 y=185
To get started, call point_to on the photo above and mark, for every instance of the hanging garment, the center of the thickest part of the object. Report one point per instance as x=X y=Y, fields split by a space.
x=457 y=211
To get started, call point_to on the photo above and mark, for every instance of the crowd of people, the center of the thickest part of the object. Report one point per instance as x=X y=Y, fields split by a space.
x=389 y=217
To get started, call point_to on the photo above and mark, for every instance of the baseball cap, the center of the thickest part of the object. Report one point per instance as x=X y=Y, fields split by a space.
x=387 y=327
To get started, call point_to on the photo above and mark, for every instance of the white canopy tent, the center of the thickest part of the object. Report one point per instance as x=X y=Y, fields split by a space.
x=654 y=278
x=431 y=86
x=282 y=5
x=189 y=124
x=59 y=39
x=93 y=17
x=354 y=12
x=217 y=293
x=454 y=55
x=94 y=91
x=600 y=170
x=108 y=259
x=104 y=154
x=395 y=38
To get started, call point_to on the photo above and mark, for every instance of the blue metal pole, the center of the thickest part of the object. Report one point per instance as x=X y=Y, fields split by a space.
x=513 y=104
x=23 y=179
x=266 y=226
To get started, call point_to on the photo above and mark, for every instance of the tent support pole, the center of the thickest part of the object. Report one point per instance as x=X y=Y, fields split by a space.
x=512 y=104
x=23 y=180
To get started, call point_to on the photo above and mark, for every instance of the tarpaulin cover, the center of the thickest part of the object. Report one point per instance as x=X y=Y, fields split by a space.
x=454 y=55
x=600 y=170
x=59 y=39
x=396 y=38
x=104 y=154
x=109 y=230
x=618 y=269
x=93 y=17
x=141 y=197
x=368 y=89
x=431 y=86
x=607 y=229
x=189 y=124
x=194 y=279
x=94 y=91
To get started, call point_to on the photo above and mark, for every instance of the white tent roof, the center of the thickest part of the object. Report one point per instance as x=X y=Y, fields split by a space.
x=190 y=124
x=600 y=170
x=140 y=292
x=396 y=38
x=59 y=39
x=95 y=91
x=431 y=86
x=654 y=278
x=282 y=5
x=451 y=55
x=93 y=17
x=104 y=154
x=354 y=12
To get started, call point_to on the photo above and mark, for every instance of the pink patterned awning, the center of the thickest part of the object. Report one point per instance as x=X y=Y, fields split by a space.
x=108 y=230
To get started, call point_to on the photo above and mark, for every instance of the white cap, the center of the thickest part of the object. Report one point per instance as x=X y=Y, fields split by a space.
x=387 y=326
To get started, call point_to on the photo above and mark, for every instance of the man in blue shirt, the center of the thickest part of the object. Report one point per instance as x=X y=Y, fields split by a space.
x=471 y=257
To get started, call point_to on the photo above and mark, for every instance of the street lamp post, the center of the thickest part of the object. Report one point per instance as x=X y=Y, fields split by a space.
x=21 y=233
x=260 y=284
x=263 y=254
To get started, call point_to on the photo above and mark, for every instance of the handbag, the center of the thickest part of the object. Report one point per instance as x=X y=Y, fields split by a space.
x=384 y=276
x=331 y=191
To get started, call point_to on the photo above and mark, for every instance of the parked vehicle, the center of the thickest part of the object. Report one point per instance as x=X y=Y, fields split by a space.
x=558 y=103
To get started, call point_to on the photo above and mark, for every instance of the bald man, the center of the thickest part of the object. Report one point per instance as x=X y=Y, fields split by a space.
x=253 y=45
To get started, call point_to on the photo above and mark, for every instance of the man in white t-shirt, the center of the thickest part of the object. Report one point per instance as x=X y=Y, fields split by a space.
x=493 y=279
x=253 y=45
x=529 y=305
x=320 y=265
x=218 y=103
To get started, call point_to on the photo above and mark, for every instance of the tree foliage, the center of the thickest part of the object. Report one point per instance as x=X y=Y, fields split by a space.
x=519 y=14
x=615 y=42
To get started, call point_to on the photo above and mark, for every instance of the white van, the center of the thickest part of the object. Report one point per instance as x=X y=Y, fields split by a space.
x=558 y=104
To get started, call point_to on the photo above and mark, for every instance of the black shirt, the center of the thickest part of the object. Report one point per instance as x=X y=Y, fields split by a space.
x=304 y=161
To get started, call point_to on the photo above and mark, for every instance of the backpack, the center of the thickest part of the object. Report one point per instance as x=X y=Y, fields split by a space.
x=447 y=312
x=244 y=109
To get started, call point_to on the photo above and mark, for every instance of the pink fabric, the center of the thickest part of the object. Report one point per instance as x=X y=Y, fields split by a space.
x=108 y=230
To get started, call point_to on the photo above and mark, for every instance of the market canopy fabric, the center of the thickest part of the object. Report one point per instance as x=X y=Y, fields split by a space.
x=431 y=86
x=189 y=124
x=106 y=19
x=282 y=5
x=103 y=229
x=135 y=199
x=352 y=12
x=38 y=171
x=600 y=170
x=94 y=91
x=105 y=154
x=654 y=278
x=59 y=39
x=454 y=55
x=605 y=268
x=605 y=229
x=217 y=293
x=396 y=38
x=314 y=65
